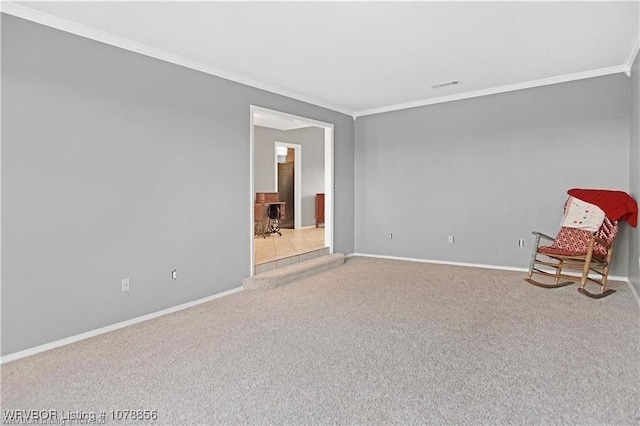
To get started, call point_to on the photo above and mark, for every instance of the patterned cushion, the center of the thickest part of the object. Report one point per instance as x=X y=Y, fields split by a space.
x=575 y=242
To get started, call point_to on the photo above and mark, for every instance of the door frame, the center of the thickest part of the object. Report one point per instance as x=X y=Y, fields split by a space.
x=297 y=180
x=328 y=176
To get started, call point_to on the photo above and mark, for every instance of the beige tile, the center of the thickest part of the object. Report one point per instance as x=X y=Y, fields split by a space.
x=286 y=253
x=263 y=258
x=283 y=262
x=297 y=239
x=268 y=267
x=269 y=246
x=266 y=249
x=267 y=259
x=314 y=240
x=301 y=246
x=292 y=245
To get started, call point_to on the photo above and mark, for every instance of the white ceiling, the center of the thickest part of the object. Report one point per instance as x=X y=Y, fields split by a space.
x=278 y=121
x=364 y=57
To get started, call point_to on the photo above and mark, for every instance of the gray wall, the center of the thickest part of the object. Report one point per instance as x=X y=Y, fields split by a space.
x=488 y=170
x=634 y=175
x=118 y=165
x=312 y=141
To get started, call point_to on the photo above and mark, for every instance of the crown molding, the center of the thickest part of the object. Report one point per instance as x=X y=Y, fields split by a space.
x=495 y=90
x=631 y=57
x=52 y=21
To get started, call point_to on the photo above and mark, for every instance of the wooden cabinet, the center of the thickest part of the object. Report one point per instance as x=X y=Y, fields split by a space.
x=319 y=209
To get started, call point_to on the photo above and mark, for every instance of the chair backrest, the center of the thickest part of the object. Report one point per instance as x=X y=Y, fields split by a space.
x=577 y=240
x=608 y=230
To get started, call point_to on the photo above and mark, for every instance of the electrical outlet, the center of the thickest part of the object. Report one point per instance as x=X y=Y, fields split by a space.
x=174 y=274
x=125 y=284
x=520 y=243
x=390 y=236
x=451 y=239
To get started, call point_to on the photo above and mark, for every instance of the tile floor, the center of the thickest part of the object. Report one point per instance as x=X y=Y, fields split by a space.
x=292 y=242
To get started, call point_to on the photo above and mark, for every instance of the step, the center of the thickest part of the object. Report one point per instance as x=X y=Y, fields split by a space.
x=288 y=274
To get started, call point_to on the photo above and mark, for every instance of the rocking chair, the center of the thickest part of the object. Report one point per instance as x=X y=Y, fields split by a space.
x=575 y=250
x=585 y=241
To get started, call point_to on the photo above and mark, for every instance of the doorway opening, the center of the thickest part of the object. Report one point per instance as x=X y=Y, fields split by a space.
x=288 y=182
x=312 y=187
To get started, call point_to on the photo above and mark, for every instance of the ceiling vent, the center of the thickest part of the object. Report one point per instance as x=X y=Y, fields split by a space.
x=447 y=83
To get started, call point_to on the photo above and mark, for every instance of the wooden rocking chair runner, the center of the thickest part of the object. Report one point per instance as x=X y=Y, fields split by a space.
x=595 y=260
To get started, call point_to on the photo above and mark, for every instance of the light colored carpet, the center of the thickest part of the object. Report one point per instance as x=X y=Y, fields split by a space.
x=370 y=342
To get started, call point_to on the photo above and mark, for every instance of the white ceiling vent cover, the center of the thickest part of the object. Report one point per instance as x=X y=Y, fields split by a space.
x=446 y=83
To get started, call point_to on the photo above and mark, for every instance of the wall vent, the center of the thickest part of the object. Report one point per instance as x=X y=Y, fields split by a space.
x=446 y=83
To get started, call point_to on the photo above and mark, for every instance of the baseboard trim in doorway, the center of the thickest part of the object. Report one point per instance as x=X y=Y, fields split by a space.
x=86 y=335
x=294 y=272
x=290 y=260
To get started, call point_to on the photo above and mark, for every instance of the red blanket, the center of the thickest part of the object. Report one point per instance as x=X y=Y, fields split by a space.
x=617 y=205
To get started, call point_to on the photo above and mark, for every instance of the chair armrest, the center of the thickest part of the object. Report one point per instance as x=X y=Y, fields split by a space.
x=540 y=234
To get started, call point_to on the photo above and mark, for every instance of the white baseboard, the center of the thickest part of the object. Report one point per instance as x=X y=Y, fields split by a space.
x=634 y=292
x=72 y=339
x=78 y=337
x=439 y=262
x=471 y=265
